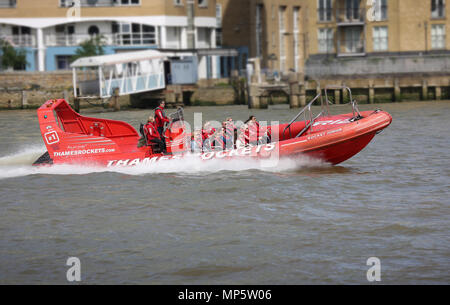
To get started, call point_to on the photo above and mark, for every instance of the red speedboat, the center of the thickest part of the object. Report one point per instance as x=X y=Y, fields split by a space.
x=71 y=138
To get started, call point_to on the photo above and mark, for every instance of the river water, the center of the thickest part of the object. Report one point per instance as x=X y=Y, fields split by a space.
x=235 y=223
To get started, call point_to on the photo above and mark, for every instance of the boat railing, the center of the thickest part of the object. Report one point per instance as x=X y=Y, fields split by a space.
x=354 y=103
x=308 y=114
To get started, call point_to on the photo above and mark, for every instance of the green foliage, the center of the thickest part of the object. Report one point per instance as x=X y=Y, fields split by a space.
x=223 y=85
x=90 y=47
x=13 y=58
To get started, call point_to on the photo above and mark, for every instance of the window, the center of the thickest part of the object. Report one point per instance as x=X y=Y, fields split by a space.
x=178 y=2
x=219 y=38
x=65 y=29
x=259 y=33
x=326 y=40
x=354 y=42
x=127 y=2
x=22 y=36
x=66 y=3
x=65 y=35
x=8 y=3
x=352 y=10
x=133 y=34
x=380 y=7
x=21 y=30
x=438 y=36
x=203 y=3
x=219 y=15
x=296 y=18
x=437 y=9
x=93 y=30
x=219 y=25
x=63 y=62
x=324 y=10
x=282 y=32
x=380 y=38
x=204 y=38
x=173 y=37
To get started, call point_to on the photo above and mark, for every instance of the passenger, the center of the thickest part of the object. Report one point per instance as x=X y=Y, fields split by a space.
x=220 y=140
x=207 y=131
x=253 y=133
x=234 y=129
x=242 y=140
x=228 y=134
x=267 y=137
x=161 y=118
x=152 y=135
x=207 y=145
x=230 y=125
x=197 y=142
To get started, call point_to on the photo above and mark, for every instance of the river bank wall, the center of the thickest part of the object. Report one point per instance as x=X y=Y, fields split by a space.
x=25 y=90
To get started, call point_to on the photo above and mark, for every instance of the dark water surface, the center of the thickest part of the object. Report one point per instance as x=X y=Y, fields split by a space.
x=191 y=223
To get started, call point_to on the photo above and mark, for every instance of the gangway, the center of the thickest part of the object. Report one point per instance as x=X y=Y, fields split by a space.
x=101 y=77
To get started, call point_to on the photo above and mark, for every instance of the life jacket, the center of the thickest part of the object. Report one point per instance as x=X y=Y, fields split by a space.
x=253 y=133
x=160 y=117
x=207 y=133
x=151 y=132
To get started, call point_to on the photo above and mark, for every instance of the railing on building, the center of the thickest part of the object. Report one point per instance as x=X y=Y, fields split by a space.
x=8 y=3
x=351 y=47
x=350 y=16
x=99 y=3
x=108 y=39
x=20 y=40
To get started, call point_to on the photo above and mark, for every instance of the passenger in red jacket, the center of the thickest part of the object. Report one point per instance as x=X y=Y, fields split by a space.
x=207 y=131
x=152 y=134
x=253 y=130
x=161 y=118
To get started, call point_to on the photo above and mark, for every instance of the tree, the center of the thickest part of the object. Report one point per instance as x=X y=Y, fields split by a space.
x=13 y=58
x=90 y=47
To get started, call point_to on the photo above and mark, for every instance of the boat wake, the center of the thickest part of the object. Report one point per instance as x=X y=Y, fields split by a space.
x=20 y=164
x=24 y=156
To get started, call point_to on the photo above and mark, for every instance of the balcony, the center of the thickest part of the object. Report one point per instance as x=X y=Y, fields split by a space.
x=109 y=39
x=21 y=40
x=350 y=16
x=8 y=3
x=351 y=47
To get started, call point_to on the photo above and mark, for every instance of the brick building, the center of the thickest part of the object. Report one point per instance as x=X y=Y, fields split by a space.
x=302 y=35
